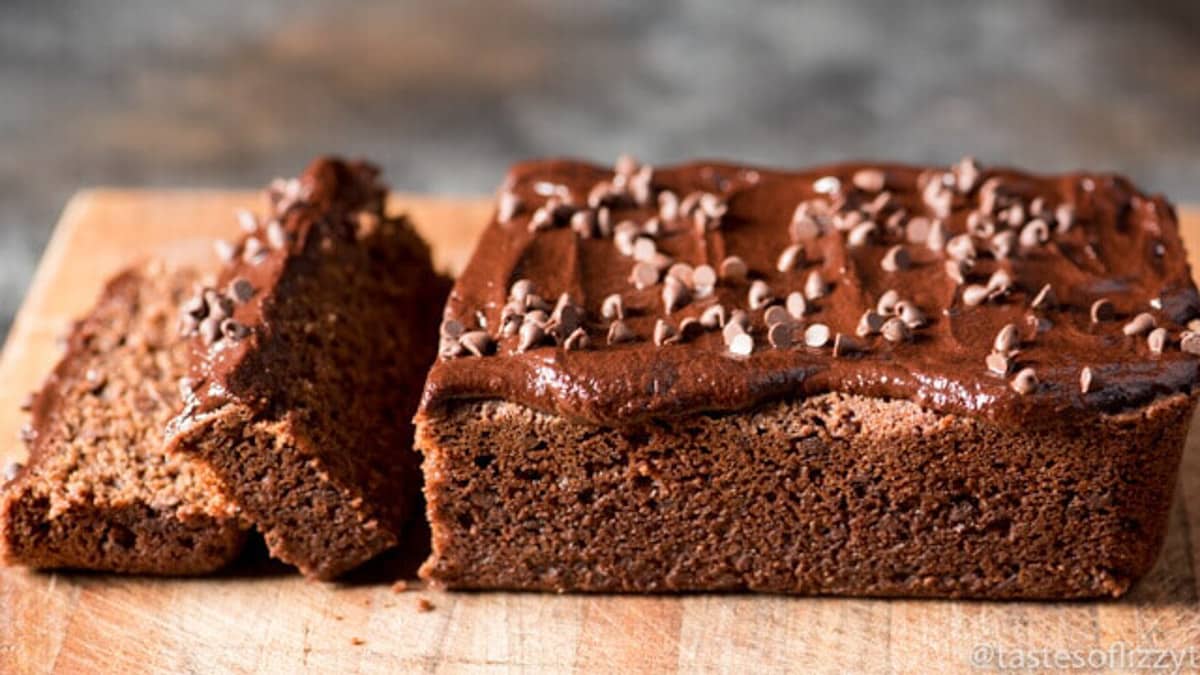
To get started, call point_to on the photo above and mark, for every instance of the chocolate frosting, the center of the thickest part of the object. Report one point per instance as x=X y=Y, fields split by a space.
x=1116 y=243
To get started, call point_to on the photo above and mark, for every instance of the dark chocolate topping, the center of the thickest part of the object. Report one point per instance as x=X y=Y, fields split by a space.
x=1010 y=235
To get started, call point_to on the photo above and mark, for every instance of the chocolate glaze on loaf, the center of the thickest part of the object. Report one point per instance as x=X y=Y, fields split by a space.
x=1089 y=237
x=855 y=379
x=306 y=368
x=99 y=490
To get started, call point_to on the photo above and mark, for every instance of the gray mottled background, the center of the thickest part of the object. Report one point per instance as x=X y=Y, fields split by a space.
x=446 y=94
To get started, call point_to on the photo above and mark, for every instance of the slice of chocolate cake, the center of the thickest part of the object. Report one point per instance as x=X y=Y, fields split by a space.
x=99 y=490
x=309 y=353
x=854 y=379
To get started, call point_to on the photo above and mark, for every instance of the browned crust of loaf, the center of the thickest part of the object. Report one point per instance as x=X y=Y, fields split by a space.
x=99 y=492
x=837 y=494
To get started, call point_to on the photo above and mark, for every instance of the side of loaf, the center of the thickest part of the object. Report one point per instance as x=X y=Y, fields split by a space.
x=99 y=491
x=308 y=357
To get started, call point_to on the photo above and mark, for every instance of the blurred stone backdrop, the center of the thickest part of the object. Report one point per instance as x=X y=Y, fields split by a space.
x=446 y=94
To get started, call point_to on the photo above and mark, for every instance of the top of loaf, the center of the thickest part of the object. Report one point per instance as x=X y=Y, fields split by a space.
x=616 y=295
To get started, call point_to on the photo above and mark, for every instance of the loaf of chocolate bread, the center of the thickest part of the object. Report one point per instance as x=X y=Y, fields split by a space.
x=308 y=358
x=853 y=379
x=99 y=491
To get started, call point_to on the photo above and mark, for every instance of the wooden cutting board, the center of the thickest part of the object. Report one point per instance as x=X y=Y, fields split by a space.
x=261 y=617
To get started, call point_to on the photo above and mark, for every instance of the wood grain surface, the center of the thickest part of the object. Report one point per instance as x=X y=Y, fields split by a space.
x=261 y=617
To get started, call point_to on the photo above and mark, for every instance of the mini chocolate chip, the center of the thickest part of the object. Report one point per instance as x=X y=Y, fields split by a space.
x=196 y=307
x=779 y=335
x=644 y=249
x=578 y=339
x=510 y=325
x=955 y=270
x=974 y=295
x=1157 y=340
x=674 y=294
x=861 y=234
x=796 y=305
x=1000 y=283
x=210 y=330
x=759 y=295
x=713 y=317
x=1007 y=339
x=1025 y=381
x=1044 y=299
x=877 y=205
x=1189 y=342
x=936 y=241
x=998 y=363
x=604 y=222
x=624 y=235
x=740 y=317
x=1064 y=216
x=869 y=323
x=1016 y=215
x=1087 y=380
x=895 y=330
x=734 y=268
x=1003 y=244
x=815 y=286
x=536 y=316
x=776 y=314
x=535 y=302
x=613 y=307
x=241 y=290
x=530 y=335
x=966 y=174
x=1035 y=233
x=542 y=220
x=476 y=342
x=844 y=345
x=791 y=257
x=910 y=314
x=731 y=330
x=742 y=344
x=961 y=247
x=664 y=332
x=253 y=250
x=1140 y=324
x=1103 y=310
x=896 y=259
x=520 y=289
x=644 y=275
x=916 y=231
x=234 y=330
x=817 y=335
x=509 y=206
x=668 y=205
x=618 y=332
x=827 y=185
x=277 y=237
x=704 y=279
x=869 y=180
x=225 y=250
x=895 y=225
x=690 y=328
x=583 y=223
x=247 y=220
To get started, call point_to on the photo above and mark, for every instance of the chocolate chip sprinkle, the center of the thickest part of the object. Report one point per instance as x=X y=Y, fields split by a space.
x=955 y=269
x=253 y=250
x=583 y=223
x=1102 y=310
x=1157 y=340
x=844 y=345
x=1025 y=381
x=520 y=289
x=1142 y=323
x=713 y=317
x=674 y=294
x=910 y=314
x=790 y=258
x=704 y=280
x=277 y=237
x=869 y=180
x=529 y=336
x=734 y=268
x=759 y=295
x=815 y=286
x=577 y=340
x=776 y=314
x=618 y=332
x=731 y=330
x=779 y=335
x=1087 y=380
x=664 y=332
x=817 y=335
x=961 y=247
x=887 y=302
x=974 y=294
x=644 y=275
x=796 y=305
x=1044 y=299
x=895 y=330
x=11 y=470
x=225 y=250
x=936 y=241
x=613 y=307
x=510 y=205
x=861 y=234
x=1034 y=233
x=742 y=344
x=1007 y=339
x=998 y=363
x=247 y=220
x=896 y=259
x=1189 y=342
x=869 y=323
x=234 y=330
x=477 y=342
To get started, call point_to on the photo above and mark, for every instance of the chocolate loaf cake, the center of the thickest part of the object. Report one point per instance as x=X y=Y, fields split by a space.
x=855 y=379
x=308 y=358
x=99 y=491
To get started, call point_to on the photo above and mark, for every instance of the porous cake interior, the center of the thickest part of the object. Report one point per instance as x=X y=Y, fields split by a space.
x=100 y=492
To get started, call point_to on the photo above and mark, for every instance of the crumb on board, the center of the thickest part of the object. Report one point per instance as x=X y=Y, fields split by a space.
x=400 y=586
x=357 y=641
x=424 y=605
